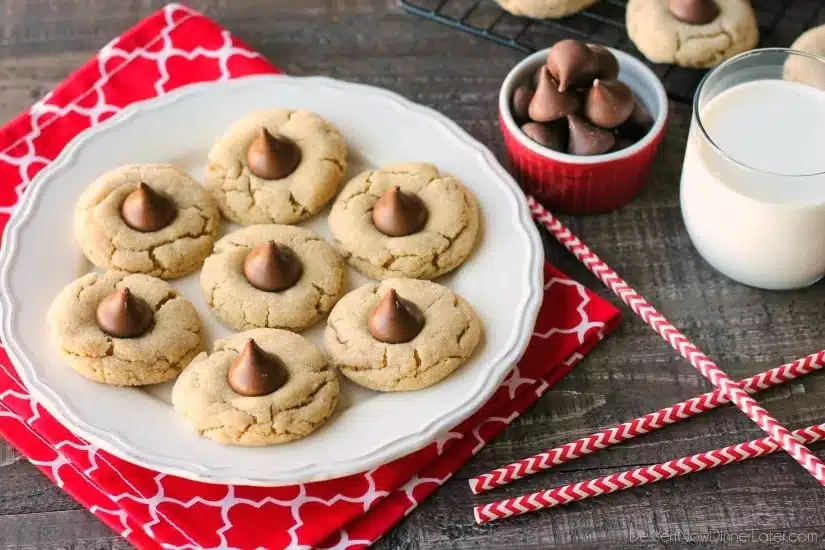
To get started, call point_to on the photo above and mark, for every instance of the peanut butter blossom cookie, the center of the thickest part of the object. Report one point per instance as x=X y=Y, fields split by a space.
x=545 y=9
x=150 y=218
x=276 y=276
x=804 y=69
x=125 y=329
x=692 y=33
x=276 y=166
x=405 y=220
x=260 y=387
x=401 y=334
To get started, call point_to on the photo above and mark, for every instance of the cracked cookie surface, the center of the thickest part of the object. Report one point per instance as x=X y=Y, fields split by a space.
x=545 y=9
x=444 y=243
x=155 y=357
x=203 y=396
x=239 y=305
x=246 y=199
x=174 y=251
x=803 y=69
x=664 y=39
x=450 y=334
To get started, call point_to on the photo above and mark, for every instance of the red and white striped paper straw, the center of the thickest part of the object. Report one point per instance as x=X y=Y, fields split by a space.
x=639 y=476
x=679 y=342
x=642 y=425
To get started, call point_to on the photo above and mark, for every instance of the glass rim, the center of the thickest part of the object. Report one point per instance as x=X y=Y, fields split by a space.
x=697 y=117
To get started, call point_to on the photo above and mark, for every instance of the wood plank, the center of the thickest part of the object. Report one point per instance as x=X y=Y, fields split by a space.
x=48 y=530
x=24 y=490
x=8 y=454
x=721 y=503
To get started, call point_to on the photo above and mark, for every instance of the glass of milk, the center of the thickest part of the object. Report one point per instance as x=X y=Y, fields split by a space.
x=753 y=180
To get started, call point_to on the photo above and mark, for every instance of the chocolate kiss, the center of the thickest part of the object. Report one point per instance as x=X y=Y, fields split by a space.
x=521 y=102
x=622 y=143
x=553 y=135
x=146 y=210
x=271 y=268
x=694 y=12
x=641 y=116
x=608 y=64
x=572 y=64
x=587 y=139
x=254 y=372
x=397 y=214
x=609 y=103
x=549 y=103
x=124 y=315
x=639 y=123
x=395 y=320
x=272 y=157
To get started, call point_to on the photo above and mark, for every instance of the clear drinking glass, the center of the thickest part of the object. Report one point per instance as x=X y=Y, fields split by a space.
x=753 y=180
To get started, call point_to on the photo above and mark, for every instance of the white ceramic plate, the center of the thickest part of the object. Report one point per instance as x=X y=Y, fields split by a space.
x=502 y=280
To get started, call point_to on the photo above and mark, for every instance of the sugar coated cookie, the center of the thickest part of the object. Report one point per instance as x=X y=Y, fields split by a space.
x=405 y=220
x=125 y=329
x=146 y=218
x=276 y=276
x=276 y=166
x=260 y=387
x=545 y=9
x=401 y=334
x=692 y=33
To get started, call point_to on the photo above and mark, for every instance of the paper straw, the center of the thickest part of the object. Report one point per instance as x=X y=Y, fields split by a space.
x=639 y=476
x=642 y=425
x=679 y=342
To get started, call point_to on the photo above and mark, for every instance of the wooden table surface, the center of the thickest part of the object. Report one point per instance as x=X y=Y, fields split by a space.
x=763 y=503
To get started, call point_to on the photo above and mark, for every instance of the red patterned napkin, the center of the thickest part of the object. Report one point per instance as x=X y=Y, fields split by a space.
x=174 y=47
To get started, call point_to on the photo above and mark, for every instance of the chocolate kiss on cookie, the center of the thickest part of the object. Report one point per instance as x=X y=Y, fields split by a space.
x=573 y=64
x=395 y=320
x=272 y=157
x=553 y=135
x=397 y=214
x=254 y=372
x=694 y=12
x=609 y=103
x=124 y=315
x=272 y=268
x=587 y=139
x=549 y=103
x=521 y=102
x=146 y=210
x=608 y=64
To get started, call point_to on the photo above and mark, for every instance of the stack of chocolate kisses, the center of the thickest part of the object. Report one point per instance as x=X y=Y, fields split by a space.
x=576 y=104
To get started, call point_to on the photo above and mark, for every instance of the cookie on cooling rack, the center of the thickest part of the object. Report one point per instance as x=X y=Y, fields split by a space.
x=803 y=69
x=545 y=9
x=692 y=33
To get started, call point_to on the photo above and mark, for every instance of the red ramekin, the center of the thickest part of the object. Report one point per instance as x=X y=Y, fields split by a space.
x=575 y=184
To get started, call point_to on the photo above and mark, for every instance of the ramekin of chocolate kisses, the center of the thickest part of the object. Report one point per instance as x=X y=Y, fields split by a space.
x=582 y=124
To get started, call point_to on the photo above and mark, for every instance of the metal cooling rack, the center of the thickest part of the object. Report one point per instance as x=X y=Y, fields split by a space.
x=780 y=22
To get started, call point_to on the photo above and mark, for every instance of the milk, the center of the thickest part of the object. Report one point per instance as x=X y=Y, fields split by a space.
x=757 y=211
